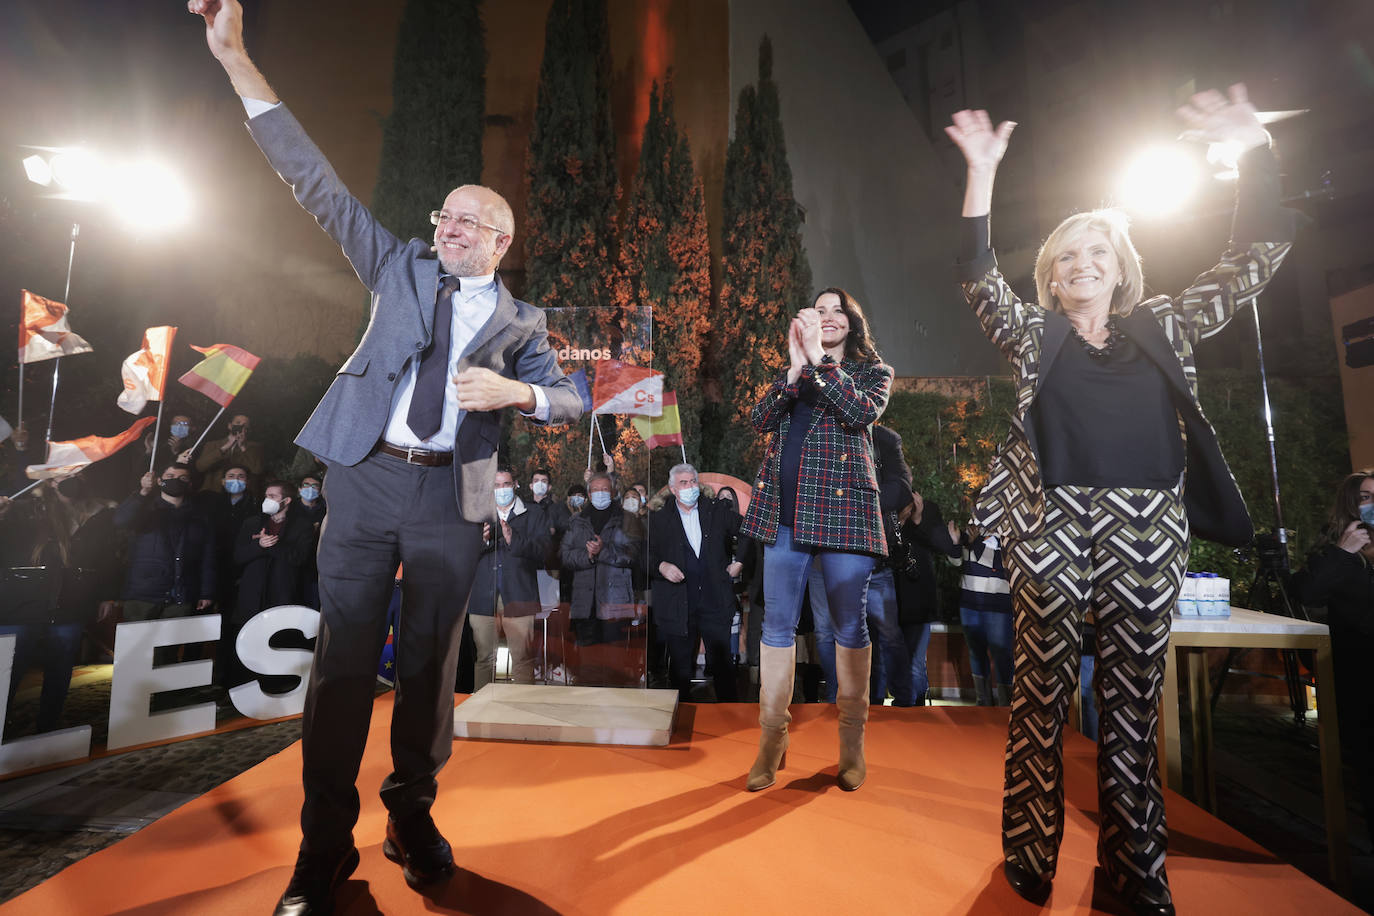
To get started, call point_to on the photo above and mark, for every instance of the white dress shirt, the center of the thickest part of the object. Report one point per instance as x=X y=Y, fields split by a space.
x=691 y=523
x=473 y=305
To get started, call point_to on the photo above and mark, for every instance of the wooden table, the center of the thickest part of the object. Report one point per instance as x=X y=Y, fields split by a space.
x=1245 y=629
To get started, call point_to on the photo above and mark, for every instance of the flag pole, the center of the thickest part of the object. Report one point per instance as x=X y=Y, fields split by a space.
x=206 y=432
x=591 y=440
x=28 y=488
x=602 y=436
x=57 y=363
x=157 y=430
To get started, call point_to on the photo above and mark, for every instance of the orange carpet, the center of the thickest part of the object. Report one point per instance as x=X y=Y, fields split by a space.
x=569 y=829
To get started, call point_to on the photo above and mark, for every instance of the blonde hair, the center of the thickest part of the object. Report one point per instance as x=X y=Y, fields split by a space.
x=1116 y=227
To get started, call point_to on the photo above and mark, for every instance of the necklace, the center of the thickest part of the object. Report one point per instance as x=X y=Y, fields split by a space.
x=1114 y=337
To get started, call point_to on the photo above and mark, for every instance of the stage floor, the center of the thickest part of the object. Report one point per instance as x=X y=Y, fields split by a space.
x=578 y=829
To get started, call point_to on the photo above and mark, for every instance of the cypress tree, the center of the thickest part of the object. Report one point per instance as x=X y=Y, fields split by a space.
x=665 y=259
x=432 y=141
x=766 y=277
x=570 y=224
x=570 y=221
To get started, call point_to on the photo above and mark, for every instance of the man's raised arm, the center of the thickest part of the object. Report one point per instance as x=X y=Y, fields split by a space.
x=224 y=35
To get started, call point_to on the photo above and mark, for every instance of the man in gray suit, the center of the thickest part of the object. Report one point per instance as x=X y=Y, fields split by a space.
x=409 y=430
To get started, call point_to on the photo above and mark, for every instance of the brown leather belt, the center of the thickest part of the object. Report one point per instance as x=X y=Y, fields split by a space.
x=421 y=456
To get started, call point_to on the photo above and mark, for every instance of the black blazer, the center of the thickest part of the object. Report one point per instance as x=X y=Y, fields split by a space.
x=668 y=543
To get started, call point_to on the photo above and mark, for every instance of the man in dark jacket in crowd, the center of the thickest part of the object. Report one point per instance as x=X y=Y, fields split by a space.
x=505 y=593
x=171 y=549
x=272 y=552
x=692 y=563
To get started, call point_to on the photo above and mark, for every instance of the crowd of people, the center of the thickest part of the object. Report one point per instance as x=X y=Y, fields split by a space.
x=607 y=584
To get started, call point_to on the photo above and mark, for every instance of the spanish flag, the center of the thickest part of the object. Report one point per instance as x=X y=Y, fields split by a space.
x=44 y=332
x=66 y=458
x=661 y=430
x=145 y=371
x=221 y=375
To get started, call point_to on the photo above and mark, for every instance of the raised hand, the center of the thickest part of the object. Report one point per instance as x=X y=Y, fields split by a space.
x=982 y=146
x=1215 y=118
x=796 y=353
x=808 y=323
x=223 y=25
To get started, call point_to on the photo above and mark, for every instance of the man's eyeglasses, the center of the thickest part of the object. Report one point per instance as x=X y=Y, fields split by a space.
x=467 y=221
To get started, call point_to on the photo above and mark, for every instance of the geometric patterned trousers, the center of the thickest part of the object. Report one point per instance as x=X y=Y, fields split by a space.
x=1114 y=557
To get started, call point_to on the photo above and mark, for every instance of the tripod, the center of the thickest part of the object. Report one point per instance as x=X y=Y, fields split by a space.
x=1269 y=593
x=1269 y=589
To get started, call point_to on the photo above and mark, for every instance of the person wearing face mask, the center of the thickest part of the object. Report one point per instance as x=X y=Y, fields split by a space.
x=1340 y=575
x=577 y=498
x=601 y=553
x=228 y=506
x=505 y=593
x=691 y=562
x=171 y=569
x=234 y=450
x=272 y=551
x=310 y=503
x=556 y=518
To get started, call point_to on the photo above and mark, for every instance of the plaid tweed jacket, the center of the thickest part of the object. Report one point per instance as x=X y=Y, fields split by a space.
x=837 y=487
x=1012 y=503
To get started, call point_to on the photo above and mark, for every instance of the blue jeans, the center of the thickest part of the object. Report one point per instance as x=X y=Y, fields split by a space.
x=899 y=664
x=988 y=635
x=917 y=638
x=841 y=577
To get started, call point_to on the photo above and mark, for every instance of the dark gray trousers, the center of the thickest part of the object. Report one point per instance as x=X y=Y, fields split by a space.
x=382 y=512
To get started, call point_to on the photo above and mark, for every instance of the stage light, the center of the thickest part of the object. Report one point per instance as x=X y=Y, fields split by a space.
x=78 y=172
x=149 y=195
x=1159 y=181
x=38 y=170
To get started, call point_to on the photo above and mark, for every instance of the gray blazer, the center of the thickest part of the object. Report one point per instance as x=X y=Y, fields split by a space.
x=404 y=280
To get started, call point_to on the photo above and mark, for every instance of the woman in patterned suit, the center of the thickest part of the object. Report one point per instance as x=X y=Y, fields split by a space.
x=816 y=497
x=1108 y=464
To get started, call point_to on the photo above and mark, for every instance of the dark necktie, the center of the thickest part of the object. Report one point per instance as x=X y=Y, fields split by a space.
x=426 y=413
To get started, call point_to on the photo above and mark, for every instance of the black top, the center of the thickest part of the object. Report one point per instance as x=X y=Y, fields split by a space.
x=803 y=412
x=1107 y=422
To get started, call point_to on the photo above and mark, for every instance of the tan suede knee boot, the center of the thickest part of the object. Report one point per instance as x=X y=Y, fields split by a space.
x=852 y=668
x=776 y=670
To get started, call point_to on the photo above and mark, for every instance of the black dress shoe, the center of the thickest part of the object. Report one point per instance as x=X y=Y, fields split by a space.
x=1035 y=888
x=1140 y=908
x=423 y=853
x=311 y=891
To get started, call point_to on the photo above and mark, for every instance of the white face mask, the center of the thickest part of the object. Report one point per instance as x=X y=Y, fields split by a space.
x=631 y=504
x=505 y=496
x=601 y=499
x=270 y=506
x=539 y=488
x=689 y=495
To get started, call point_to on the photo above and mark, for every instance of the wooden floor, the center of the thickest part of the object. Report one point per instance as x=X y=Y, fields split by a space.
x=577 y=829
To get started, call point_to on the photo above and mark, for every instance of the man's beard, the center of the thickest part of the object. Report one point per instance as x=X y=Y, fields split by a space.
x=471 y=262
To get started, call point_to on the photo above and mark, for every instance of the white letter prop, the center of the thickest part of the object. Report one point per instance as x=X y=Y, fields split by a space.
x=258 y=655
x=136 y=679
x=38 y=750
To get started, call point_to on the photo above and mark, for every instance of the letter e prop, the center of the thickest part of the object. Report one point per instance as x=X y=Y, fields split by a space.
x=136 y=679
x=39 y=750
x=257 y=655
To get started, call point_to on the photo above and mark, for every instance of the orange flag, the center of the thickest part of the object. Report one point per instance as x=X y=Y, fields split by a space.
x=66 y=458
x=44 y=332
x=145 y=371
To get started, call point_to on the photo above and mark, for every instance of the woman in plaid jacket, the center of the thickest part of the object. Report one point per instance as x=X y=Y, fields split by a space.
x=817 y=497
x=1108 y=465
